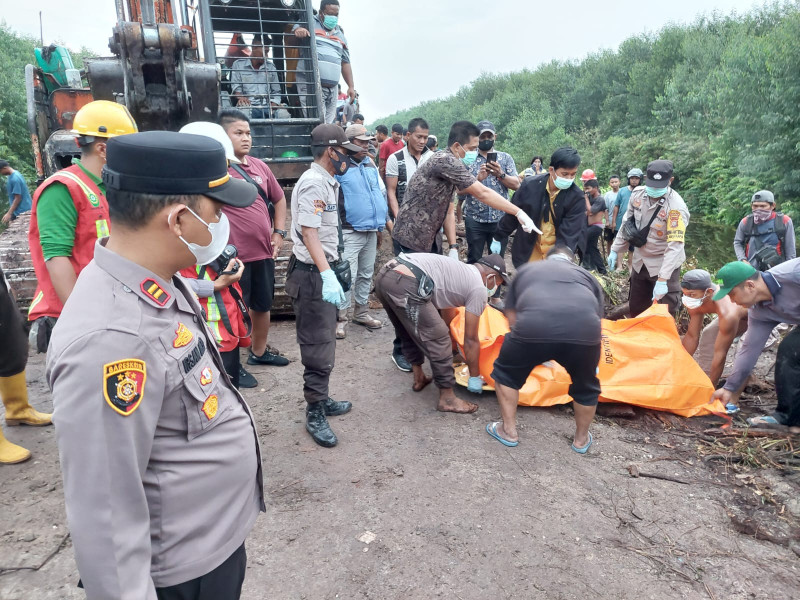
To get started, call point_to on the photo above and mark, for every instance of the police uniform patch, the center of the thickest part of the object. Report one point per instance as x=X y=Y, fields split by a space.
x=210 y=406
x=319 y=207
x=206 y=376
x=123 y=384
x=155 y=292
x=676 y=228
x=183 y=336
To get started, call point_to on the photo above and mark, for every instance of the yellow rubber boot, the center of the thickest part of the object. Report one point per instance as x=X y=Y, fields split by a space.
x=11 y=453
x=14 y=393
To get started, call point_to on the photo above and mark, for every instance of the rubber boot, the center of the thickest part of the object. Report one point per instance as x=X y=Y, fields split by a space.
x=11 y=453
x=14 y=393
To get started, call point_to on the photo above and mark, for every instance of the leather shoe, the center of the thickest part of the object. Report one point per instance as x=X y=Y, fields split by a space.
x=334 y=408
x=268 y=358
x=401 y=363
x=317 y=425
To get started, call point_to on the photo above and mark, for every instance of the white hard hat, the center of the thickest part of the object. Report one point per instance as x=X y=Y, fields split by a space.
x=215 y=132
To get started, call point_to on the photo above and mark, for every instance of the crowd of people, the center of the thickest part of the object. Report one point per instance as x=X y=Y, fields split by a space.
x=155 y=258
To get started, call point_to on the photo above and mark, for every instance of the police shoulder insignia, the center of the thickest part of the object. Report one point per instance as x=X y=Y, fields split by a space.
x=155 y=292
x=182 y=336
x=319 y=207
x=210 y=406
x=206 y=376
x=676 y=228
x=123 y=384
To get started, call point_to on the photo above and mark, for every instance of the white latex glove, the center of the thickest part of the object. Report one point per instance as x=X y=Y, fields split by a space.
x=526 y=222
x=453 y=253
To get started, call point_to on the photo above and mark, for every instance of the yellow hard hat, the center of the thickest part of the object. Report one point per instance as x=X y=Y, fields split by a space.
x=104 y=119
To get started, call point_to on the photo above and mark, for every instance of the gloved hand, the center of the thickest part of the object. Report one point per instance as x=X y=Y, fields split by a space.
x=453 y=253
x=331 y=288
x=475 y=385
x=660 y=290
x=612 y=260
x=526 y=222
x=495 y=247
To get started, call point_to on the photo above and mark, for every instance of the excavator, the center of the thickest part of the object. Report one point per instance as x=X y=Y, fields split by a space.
x=173 y=62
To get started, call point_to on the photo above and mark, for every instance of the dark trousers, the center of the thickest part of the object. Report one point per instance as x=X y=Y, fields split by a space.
x=316 y=332
x=14 y=344
x=592 y=259
x=232 y=362
x=479 y=238
x=397 y=346
x=518 y=358
x=223 y=583
x=421 y=329
x=640 y=297
x=787 y=380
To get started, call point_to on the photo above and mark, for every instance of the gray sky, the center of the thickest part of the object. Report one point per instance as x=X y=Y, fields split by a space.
x=407 y=51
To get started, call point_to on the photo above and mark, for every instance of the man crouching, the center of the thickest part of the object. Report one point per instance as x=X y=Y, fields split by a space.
x=413 y=289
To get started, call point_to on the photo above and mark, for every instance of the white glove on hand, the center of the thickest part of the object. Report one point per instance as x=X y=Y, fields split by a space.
x=526 y=222
x=453 y=253
x=331 y=288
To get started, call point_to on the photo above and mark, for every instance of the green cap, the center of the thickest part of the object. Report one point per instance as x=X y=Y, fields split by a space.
x=732 y=275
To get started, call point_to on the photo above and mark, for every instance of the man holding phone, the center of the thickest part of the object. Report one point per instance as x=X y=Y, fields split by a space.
x=497 y=171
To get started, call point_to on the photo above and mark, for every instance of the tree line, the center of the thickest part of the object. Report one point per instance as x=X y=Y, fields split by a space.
x=719 y=97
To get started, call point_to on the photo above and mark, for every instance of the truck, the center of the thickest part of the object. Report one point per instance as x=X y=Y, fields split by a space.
x=173 y=62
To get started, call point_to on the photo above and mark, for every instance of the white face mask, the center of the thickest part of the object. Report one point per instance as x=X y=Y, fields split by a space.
x=491 y=291
x=692 y=303
x=220 y=231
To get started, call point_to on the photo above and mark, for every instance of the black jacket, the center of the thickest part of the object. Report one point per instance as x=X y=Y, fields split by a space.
x=532 y=197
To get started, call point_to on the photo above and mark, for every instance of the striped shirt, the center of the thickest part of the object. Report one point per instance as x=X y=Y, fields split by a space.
x=332 y=51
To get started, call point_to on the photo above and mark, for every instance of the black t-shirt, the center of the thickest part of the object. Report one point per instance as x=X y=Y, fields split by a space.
x=556 y=301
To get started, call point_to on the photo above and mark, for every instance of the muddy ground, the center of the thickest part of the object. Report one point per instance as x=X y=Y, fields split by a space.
x=453 y=513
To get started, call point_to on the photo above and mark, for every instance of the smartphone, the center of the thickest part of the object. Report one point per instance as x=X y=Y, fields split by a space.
x=491 y=157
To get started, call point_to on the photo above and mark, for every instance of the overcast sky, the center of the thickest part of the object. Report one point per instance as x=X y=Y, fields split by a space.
x=407 y=51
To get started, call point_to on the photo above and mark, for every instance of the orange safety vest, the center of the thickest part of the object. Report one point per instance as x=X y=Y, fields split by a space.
x=93 y=224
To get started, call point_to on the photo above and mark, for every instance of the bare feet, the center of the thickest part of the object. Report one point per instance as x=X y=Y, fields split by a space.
x=449 y=402
x=420 y=379
x=421 y=383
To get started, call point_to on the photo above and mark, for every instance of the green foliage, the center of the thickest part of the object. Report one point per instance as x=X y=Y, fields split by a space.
x=15 y=142
x=719 y=98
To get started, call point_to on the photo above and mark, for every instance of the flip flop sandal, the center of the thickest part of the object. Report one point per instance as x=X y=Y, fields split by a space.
x=731 y=408
x=585 y=449
x=764 y=420
x=491 y=429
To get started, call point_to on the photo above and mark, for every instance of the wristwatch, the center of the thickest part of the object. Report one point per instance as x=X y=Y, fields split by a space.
x=280 y=232
x=503 y=175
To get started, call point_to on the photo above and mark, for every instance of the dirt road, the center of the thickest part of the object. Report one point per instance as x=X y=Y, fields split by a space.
x=453 y=513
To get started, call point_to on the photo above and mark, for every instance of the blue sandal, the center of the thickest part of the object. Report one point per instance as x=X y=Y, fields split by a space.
x=585 y=449
x=763 y=420
x=491 y=429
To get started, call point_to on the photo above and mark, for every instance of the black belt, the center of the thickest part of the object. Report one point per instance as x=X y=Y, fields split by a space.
x=298 y=264
x=424 y=282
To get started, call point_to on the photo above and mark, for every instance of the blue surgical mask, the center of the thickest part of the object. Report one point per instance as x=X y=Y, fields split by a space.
x=655 y=192
x=330 y=21
x=470 y=156
x=563 y=183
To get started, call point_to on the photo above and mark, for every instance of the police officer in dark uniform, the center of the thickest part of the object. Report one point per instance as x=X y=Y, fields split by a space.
x=159 y=452
x=311 y=283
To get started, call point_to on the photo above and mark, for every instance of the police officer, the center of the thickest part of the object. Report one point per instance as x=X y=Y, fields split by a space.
x=659 y=219
x=70 y=214
x=311 y=282
x=159 y=454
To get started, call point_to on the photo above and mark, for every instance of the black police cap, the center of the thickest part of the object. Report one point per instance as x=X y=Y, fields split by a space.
x=169 y=163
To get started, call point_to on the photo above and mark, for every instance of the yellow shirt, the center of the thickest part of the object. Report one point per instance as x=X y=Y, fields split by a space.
x=548 y=237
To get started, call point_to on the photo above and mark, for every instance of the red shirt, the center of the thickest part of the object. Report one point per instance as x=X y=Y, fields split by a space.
x=251 y=228
x=389 y=147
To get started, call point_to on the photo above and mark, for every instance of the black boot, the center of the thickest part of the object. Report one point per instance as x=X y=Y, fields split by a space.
x=317 y=425
x=334 y=408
